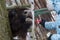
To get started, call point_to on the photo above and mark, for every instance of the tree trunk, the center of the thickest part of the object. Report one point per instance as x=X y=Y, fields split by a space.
x=5 y=32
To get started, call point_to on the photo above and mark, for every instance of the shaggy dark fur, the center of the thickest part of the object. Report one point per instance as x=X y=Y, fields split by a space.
x=17 y=21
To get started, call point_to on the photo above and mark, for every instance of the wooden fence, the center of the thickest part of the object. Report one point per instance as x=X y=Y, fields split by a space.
x=37 y=3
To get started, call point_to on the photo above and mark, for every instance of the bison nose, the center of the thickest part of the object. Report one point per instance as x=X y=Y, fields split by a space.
x=28 y=19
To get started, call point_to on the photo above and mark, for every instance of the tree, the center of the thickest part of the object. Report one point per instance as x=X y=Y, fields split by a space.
x=5 y=32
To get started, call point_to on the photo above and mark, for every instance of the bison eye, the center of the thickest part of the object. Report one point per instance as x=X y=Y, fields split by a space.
x=25 y=12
